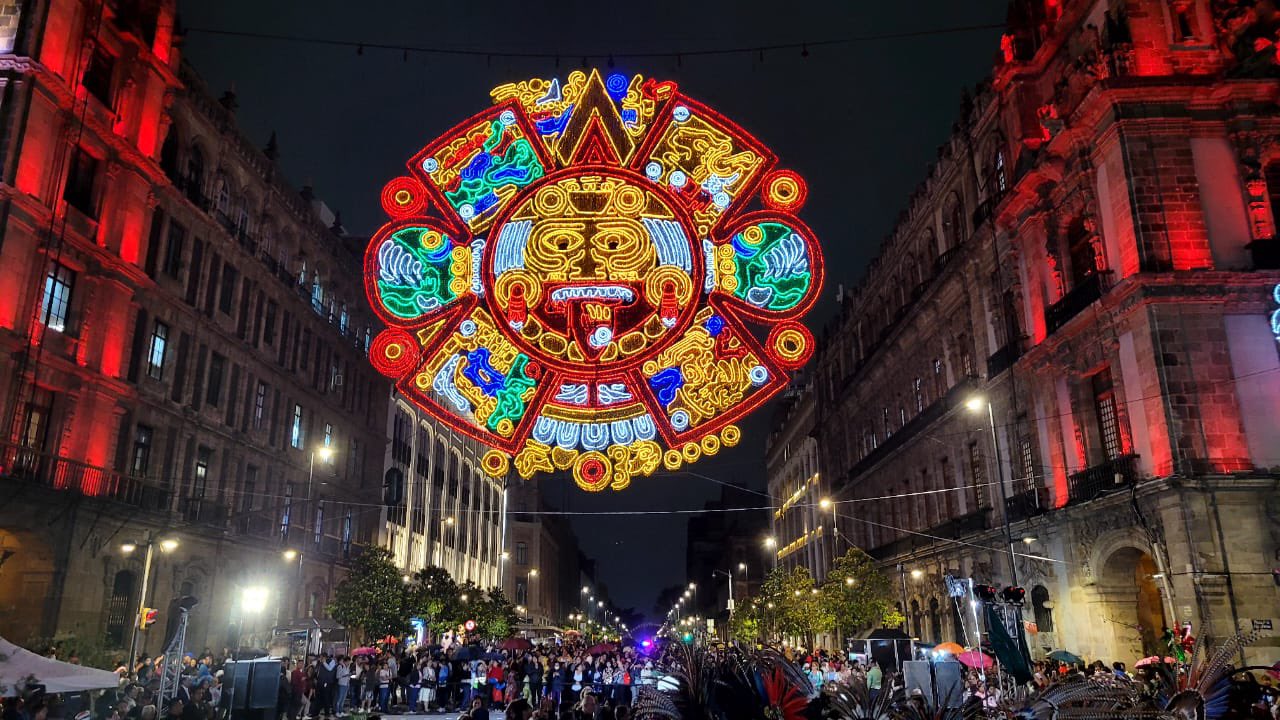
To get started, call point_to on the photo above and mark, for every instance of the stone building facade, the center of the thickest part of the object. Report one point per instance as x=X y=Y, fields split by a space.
x=542 y=567
x=1094 y=254
x=452 y=515
x=182 y=345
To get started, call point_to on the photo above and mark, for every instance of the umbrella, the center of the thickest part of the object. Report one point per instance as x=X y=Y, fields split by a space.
x=602 y=648
x=975 y=659
x=1063 y=656
x=1275 y=671
x=364 y=651
x=949 y=648
x=1154 y=660
x=516 y=644
x=467 y=652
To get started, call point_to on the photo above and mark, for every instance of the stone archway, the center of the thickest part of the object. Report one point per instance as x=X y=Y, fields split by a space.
x=1133 y=605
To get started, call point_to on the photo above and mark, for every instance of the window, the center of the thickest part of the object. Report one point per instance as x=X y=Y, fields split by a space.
x=97 y=77
x=1042 y=608
x=200 y=480
x=1002 y=175
x=884 y=416
x=249 y=494
x=977 y=472
x=1084 y=258
x=522 y=591
x=522 y=553
x=121 y=607
x=141 y=452
x=229 y=278
x=328 y=435
x=81 y=177
x=917 y=387
x=217 y=366
x=1028 y=460
x=317 y=293
x=269 y=326
x=318 y=530
x=346 y=533
x=1104 y=401
x=342 y=319
x=174 y=244
x=259 y=405
x=1184 y=24
x=286 y=511
x=224 y=195
x=55 y=307
x=295 y=430
x=155 y=356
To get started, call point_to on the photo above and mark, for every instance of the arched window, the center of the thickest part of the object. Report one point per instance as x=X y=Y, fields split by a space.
x=169 y=156
x=916 y=619
x=954 y=223
x=1084 y=259
x=120 y=607
x=935 y=620
x=195 y=169
x=1043 y=608
x=242 y=216
x=929 y=253
x=224 y=195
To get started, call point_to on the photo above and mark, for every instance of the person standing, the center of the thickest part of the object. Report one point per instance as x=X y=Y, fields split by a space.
x=428 y=696
x=384 y=686
x=342 y=675
x=874 y=679
x=326 y=682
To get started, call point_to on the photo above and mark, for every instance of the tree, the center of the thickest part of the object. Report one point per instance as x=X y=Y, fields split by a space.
x=794 y=605
x=495 y=616
x=745 y=623
x=857 y=595
x=372 y=598
x=432 y=595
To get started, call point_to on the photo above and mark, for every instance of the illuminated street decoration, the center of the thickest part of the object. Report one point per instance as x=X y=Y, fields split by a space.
x=597 y=275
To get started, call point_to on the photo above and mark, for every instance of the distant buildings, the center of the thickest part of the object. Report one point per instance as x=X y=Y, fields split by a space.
x=724 y=546
x=543 y=571
x=1095 y=255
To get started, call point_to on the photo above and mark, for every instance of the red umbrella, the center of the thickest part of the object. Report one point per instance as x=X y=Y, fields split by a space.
x=602 y=648
x=516 y=644
x=975 y=659
x=364 y=651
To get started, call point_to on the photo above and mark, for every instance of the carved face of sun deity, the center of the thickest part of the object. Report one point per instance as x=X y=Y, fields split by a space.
x=593 y=269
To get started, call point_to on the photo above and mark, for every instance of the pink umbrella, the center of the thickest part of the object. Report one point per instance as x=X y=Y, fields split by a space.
x=1154 y=660
x=975 y=659
x=364 y=651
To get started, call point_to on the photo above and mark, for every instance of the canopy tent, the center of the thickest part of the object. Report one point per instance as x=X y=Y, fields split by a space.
x=18 y=667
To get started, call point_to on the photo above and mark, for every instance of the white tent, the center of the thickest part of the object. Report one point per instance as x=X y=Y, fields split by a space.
x=19 y=667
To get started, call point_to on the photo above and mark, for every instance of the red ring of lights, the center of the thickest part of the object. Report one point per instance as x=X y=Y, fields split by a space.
x=784 y=190
x=389 y=361
x=785 y=333
x=404 y=197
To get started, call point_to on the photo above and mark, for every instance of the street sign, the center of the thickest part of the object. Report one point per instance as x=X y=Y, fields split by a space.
x=469 y=625
x=1264 y=624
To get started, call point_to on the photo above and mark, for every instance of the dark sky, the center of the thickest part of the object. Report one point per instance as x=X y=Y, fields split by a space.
x=860 y=121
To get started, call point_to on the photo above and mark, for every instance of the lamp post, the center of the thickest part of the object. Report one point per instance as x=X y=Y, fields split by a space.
x=326 y=454
x=253 y=600
x=975 y=404
x=166 y=545
x=770 y=543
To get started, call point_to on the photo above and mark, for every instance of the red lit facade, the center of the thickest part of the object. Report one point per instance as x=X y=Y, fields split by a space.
x=179 y=331
x=1095 y=253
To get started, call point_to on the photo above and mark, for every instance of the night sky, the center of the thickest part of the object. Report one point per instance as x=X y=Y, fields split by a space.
x=860 y=121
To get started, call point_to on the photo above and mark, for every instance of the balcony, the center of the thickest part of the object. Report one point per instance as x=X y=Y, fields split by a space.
x=922 y=420
x=1026 y=504
x=945 y=259
x=1004 y=358
x=1102 y=479
x=954 y=528
x=28 y=465
x=1081 y=296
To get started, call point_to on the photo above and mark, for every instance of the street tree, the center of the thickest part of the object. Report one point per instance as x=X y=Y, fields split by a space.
x=857 y=595
x=495 y=616
x=371 y=600
x=797 y=608
x=745 y=621
x=432 y=595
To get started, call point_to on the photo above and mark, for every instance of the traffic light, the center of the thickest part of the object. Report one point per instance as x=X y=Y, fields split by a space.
x=1014 y=595
x=148 y=618
x=985 y=593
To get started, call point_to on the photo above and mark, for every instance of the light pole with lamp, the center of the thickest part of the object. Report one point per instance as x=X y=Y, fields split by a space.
x=253 y=600
x=770 y=543
x=326 y=454
x=974 y=404
x=729 y=575
x=166 y=545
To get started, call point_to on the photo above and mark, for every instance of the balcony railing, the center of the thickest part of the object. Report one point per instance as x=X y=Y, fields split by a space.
x=1103 y=479
x=954 y=528
x=27 y=464
x=1004 y=358
x=1081 y=296
x=945 y=259
x=1026 y=504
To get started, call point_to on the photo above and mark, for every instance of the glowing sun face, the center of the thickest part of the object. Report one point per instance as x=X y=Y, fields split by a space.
x=574 y=278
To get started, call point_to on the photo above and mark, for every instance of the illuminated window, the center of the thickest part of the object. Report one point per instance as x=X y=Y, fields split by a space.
x=977 y=472
x=56 y=304
x=328 y=435
x=259 y=405
x=200 y=478
x=1002 y=176
x=286 y=511
x=917 y=387
x=346 y=533
x=295 y=430
x=224 y=195
x=884 y=417
x=318 y=531
x=1028 y=460
x=1104 y=400
x=141 y=452
x=155 y=356
x=342 y=319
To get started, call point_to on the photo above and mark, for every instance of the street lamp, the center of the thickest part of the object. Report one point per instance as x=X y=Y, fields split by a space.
x=253 y=600
x=325 y=453
x=975 y=404
x=770 y=543
x=166 y=545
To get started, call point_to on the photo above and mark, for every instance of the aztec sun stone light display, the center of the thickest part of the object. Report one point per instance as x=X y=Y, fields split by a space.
x=598 y=275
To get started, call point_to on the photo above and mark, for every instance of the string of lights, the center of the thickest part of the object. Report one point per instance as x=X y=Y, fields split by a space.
x=801 y=47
